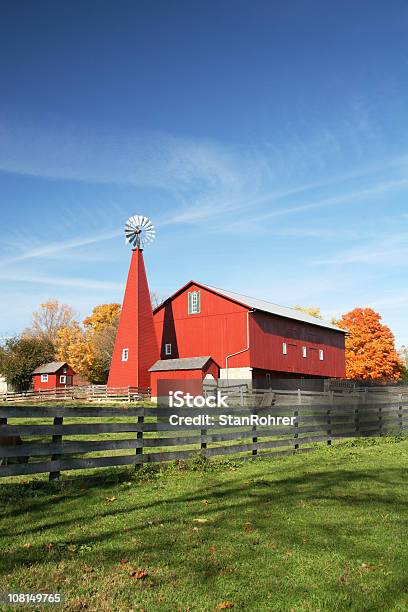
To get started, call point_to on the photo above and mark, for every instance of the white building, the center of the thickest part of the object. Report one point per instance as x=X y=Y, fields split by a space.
x=3 y=384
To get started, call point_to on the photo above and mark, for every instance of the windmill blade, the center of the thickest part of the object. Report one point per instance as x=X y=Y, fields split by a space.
x=139 y=231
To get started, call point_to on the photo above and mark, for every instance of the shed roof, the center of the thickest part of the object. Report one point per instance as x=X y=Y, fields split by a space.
x=186 y=363
x=50 y=368
x=262 y=305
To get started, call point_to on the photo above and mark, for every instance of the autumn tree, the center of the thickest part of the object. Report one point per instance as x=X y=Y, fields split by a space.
x=370 y=347
x=89 y=349
x=313 y=311
x=19 y=356
x=101 y=327
x=403 y=353
x=103 y=316
x=73 y=347
x=49 y=319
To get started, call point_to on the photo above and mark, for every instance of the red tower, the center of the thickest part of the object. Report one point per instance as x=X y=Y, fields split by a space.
x=136 y=347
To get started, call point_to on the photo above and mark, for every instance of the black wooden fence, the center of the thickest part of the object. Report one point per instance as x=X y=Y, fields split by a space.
x=38 y=439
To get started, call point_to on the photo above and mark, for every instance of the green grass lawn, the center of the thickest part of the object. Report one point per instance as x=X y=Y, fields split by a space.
x=322 y=531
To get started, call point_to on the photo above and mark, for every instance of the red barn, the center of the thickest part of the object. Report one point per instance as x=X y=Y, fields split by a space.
x=193 y=368
x=52 y=375
x=249 y=338
x=243 y=337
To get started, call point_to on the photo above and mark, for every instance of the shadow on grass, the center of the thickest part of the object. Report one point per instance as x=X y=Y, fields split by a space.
x=319 y=511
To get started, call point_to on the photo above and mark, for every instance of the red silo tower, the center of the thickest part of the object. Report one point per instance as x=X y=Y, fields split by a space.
x=136 y=347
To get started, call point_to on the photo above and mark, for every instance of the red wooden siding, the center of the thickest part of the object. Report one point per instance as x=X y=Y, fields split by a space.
x=135 y=331
x=54 y=379
x=219 y=329
x=209 y=368
x=268 y=332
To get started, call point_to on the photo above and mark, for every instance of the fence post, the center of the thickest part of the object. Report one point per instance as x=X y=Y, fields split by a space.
x=380 y=420
x=254 y=440
x=357 y=417
x=329 y=430
x=203 y=445
x=400 y=413
x=139 y=436
x=3 y=421
x=296 y=414
x=56 y=439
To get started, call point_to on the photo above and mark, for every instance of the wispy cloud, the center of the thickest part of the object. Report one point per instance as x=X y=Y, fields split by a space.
x=74 y=152
x=349 y=197
x=383 y=251
x=46 y=251
x=78 y=283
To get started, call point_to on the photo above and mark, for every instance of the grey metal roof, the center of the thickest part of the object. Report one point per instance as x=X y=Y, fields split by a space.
x=282 y=311
x=49 y=368
x=186 y=363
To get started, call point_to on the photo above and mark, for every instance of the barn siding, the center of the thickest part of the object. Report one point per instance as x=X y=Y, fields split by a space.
x=221 y=329
x=268 y=332
x=53 y=379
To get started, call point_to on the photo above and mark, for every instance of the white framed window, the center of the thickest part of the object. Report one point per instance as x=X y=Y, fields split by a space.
x=284 y=348
x=167 y=349
x=194 y=302
x=304 y=351
x=321 y=354
x=63 y=379
x=125 y=354
x=44 y=377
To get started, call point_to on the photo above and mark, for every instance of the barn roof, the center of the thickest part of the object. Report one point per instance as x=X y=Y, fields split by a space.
x=186 y=363
x=50 y=368
x=262 y=305
x=282 y=311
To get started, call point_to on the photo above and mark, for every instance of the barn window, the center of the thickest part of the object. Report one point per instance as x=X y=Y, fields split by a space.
x=63 y=379
x=167 y=349
x=125 y=354
x=44 y=377
x=194 y=302
x=268 y=379
x=284 y=348
x=321 y=354
x=304 y=351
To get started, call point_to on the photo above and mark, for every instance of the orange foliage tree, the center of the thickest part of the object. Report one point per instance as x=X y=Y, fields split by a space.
x=370 y=346
x=88 y=349
x=103 y=316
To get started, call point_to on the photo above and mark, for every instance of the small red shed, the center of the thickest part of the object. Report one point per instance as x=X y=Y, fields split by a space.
x=52 y=375
x=190 y=368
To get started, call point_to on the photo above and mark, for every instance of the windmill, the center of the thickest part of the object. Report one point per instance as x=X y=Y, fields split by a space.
x=139 y=231
x=136 y=348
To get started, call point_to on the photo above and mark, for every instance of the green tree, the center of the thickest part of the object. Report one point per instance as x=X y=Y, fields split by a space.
x=19 y=356
x=313 y=311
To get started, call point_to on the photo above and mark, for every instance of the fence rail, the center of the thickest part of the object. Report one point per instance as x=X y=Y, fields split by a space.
x=88 y=392
x=41 y=439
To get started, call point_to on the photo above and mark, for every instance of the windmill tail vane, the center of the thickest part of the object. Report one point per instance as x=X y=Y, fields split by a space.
x=139 y=232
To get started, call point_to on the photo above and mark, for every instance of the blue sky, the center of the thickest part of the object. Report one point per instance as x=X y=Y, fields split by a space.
x=267 y=141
